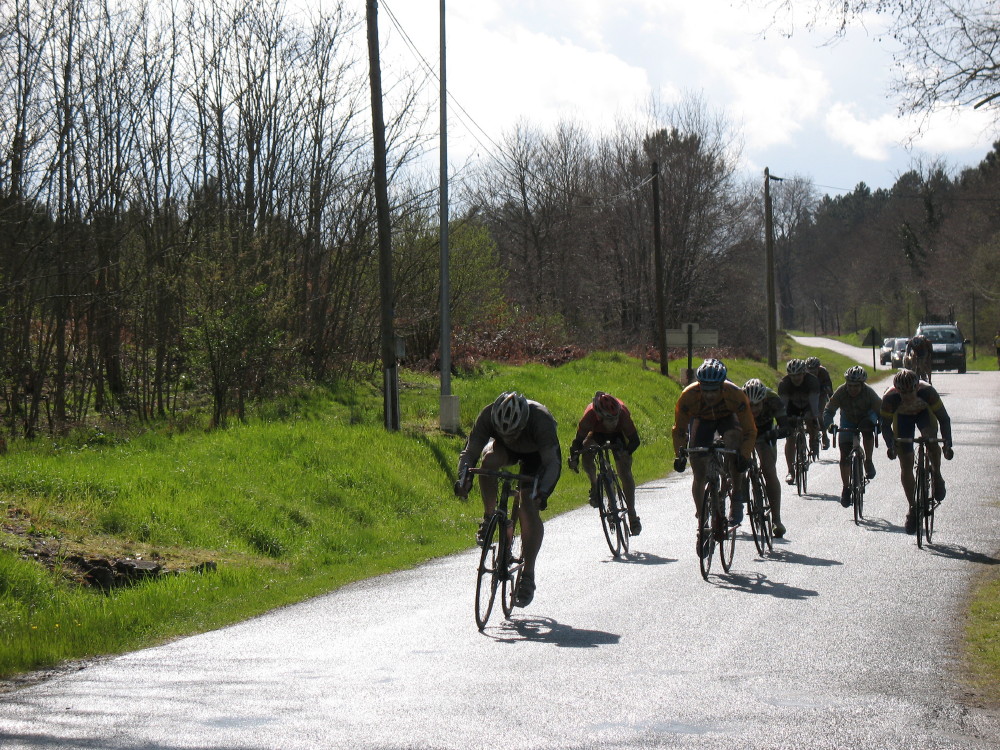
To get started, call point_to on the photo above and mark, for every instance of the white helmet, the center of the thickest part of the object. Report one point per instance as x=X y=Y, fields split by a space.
x=756 y=390
x=509 y=414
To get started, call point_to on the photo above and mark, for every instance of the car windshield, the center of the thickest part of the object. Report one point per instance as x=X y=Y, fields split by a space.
x=900 y=344
x=942 y=335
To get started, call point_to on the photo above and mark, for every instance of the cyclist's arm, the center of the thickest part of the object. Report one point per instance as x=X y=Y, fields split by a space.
x=944 y=420
x=551 y=468
x=478 y=438
x=749 y=427
x=886 y=414
x=681 y=421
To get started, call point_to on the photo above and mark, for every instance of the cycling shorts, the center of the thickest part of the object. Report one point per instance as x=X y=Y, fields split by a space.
x=704 y=430
x=906 y=425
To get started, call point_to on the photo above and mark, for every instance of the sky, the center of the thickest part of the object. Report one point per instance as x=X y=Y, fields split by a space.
x=801 y=105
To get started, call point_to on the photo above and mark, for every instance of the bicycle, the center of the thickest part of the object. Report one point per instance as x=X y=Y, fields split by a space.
x=614 y=509
x=924 y=500
x=858 y=477
x=759 y=508
x=800 y=462
x=501 y=560
x=713 y=521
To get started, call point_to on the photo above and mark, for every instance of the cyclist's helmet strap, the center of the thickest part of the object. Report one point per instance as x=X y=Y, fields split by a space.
x=795 y=367
x=856 y=374
x=756 y=390
x=905 y=380
x=509 y=414
x=711 y=374
x=607 y=406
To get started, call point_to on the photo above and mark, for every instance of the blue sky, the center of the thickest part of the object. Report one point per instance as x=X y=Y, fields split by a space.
x=802 y=105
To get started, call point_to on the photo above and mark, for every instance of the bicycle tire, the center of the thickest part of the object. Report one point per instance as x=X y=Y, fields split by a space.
x=929 y=504
x=801 y=462
x=705 y=547
x=728 y=544
x=920 y=500
x=486 y=578
x=624 y=530
x=609 y=515
x=759 y=512
x=513 y=563
x=858 y=487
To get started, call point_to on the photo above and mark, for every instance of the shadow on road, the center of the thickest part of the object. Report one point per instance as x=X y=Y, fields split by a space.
x=758 y=583
x=781 y=554
x=958 y=552
x=642 y=558
x=547 y=630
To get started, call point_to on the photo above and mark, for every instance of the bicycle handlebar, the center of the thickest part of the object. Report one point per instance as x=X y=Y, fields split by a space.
x=919 y=440
x=504 y=475
x=712 y=449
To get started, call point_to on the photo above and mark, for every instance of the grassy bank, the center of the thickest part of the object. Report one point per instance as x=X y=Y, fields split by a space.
x=298 y=502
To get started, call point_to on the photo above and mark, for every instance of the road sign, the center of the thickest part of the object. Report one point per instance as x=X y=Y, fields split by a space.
x=872 y=338
x=700 y=338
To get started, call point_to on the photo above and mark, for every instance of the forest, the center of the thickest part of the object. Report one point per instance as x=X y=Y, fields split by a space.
x=188 y=217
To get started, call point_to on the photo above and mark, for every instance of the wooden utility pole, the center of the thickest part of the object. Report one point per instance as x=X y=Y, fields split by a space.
x=661 y=318
x=390 y=374
x=772 y=314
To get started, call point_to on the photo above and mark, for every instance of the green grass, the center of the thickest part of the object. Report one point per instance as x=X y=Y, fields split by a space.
x=983 y=638
x=307 y=497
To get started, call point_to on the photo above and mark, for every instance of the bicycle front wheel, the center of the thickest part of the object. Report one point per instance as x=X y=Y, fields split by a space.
x=920 y=501
x=858 y=488
x=609 y=515
x=706 y=534
x=759 y=512
x=801 y=463
x=486 y=578
x=727 y=544
x=513 y=562
x=621 y=516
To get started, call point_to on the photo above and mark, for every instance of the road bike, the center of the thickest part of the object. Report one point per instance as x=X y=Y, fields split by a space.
x=801 y=459
x=614 y=509
x=501 y=560
x=925 y=500
x=713 y=519
x=759 y=508
x=857 y=476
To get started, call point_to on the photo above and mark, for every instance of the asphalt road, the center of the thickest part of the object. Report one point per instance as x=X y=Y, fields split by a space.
x=847 y=637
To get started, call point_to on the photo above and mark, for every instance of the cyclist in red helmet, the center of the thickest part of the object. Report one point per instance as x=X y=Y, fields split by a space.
x=515 y=430
x=606 y=418
x=912 y=404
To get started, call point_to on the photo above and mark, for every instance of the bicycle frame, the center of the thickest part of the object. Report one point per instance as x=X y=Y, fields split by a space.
x=858 y=475
x=614 y=509
x=800 y=463
x=713 y=524
x=759 y=507
x=924 y=500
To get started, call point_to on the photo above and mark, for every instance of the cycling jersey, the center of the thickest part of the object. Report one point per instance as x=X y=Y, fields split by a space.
x=825 y=382
x=539 y=437
x=691 y=405
x=772 y=410
x=854 y=410
x=919 y=346
x=899 y=415
x=802 y=398
x=591 y=423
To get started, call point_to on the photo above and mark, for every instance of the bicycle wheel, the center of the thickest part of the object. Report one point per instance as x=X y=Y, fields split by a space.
x=728 y=544
x=760 y=513
x=801 y=462
x=622 y=527
x=486 y=578
x=920 y=501
x=930 y=502
x=858 y=487
x=513 y=562
x=609 y=515
x=706 y=535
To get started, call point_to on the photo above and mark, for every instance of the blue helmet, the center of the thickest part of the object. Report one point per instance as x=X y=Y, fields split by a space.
x=711 y=374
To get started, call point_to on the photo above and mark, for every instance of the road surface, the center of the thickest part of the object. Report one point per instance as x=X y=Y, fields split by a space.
x=846 y=637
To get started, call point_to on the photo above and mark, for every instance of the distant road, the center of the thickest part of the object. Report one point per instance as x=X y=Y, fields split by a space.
x=846 y=637
x=859 y=354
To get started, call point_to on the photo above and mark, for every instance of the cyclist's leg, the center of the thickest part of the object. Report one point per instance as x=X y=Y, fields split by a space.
x=702 y=434
x=928 y=426
x=905 y=424
x=823 y=398
x=623 y=462
x=868 y=440
x=590 y=469
x=495 y=457
x=813 y=427
x=846 y=445
x=732 y=436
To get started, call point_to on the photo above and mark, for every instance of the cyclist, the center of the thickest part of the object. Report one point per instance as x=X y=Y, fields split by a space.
x=859 y=406
x=606 y=418
x=799 y=392
x=514 y=430
x=713 y=405
x=919 y=350
x=814 y=367
x=908 y=405
x=767 y=409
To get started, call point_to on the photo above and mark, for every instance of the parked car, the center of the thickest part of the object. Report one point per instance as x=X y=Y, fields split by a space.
x=885 y=355
x=949 y=345
x=898 y=350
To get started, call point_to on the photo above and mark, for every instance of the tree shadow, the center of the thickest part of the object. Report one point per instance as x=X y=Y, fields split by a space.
x=758 y=583
x=641 y=558
x=547 y=630
x=781 y=554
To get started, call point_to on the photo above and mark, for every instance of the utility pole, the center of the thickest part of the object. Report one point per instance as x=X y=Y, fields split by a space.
x=772 y=311
x=390 y=374
x=448 y=418
x=661 y=322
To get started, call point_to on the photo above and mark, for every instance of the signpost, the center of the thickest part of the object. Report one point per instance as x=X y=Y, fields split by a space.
x=690 y=335
x=872 y=339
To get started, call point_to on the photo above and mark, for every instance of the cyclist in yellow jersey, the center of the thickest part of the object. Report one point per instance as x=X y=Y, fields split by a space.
x=711 y=406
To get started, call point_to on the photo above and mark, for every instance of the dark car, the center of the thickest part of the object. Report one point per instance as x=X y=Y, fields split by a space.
x=948 y=343
x=885 y=355
x=898 y=350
